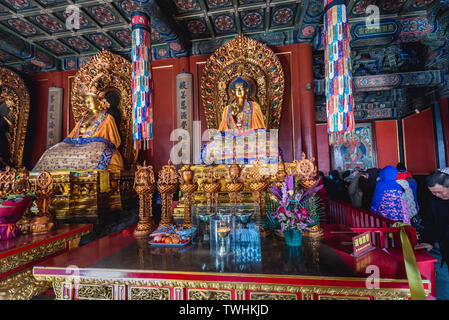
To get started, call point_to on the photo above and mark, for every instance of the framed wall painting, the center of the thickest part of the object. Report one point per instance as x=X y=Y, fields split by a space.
x=358 y=153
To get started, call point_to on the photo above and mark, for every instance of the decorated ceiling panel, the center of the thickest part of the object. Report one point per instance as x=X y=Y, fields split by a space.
x=37 y=28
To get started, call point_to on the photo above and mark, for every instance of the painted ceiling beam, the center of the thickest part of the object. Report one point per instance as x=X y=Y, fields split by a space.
x=160 y=22
x=42 y=9
x=428 y=78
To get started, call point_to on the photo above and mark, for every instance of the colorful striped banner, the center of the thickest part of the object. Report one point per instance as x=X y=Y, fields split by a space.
x=142 y=81
x=338 y=82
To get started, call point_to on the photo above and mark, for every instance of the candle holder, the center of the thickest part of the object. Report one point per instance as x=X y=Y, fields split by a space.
x=258 y=185
x=167 y=185
x=235 y=183
x=223 y=233
x=211 y=186
x=188 y=187
x=144 y=184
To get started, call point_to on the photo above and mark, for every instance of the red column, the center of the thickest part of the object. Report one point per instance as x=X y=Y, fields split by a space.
x=307 y=94
x=444 y=110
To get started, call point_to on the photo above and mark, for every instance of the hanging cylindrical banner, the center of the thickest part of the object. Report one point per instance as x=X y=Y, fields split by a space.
x=337 y=59
x=142 y=81
x=184 y=112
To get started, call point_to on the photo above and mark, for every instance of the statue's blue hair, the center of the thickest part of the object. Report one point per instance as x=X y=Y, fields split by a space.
x=240 y=80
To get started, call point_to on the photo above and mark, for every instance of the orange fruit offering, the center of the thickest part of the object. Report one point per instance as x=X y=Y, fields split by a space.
x=168 y=240
x=175 y=240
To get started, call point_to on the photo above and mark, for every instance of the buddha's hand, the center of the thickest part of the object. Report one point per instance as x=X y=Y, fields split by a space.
x=424 y=245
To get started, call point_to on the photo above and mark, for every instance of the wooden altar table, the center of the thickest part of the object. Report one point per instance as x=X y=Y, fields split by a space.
x=118 y=267
x=19 y=255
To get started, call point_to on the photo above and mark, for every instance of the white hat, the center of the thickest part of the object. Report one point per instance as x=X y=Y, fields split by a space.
x=444 y=170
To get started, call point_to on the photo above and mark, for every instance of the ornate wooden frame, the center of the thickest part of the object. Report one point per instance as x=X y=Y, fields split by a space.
x=108 y=72
x=14 y=89
x=254 y=62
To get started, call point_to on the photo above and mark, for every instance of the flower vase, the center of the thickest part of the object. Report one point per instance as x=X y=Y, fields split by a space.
x=293 y=237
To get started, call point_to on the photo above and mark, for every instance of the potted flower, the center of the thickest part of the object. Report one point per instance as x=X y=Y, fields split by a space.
x=295 y=210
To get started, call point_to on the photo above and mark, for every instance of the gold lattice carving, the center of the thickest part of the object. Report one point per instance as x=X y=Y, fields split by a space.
x=272 y=296
x=21 y=286
x=201 y=294
x=254 y=62
x=14 y=92
x=142 y=293
x=95 y=292
x=107 y=72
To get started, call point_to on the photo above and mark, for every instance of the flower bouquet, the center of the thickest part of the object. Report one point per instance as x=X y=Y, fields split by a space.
x=294 y=210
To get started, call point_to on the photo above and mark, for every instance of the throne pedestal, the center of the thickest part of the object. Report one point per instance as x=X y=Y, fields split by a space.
x=89 y=194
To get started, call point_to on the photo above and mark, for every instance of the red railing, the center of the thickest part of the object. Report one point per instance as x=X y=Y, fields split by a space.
x=339 y=212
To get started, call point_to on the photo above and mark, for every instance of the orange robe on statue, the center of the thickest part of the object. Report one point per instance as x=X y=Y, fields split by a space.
x=108 y=130
x=252 y=118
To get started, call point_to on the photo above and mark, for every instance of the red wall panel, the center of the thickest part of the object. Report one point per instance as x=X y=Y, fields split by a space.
x=419 y=142
x=387 y=143
x=322 y=139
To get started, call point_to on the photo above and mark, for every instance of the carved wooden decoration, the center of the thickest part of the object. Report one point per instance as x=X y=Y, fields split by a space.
x=14 y=93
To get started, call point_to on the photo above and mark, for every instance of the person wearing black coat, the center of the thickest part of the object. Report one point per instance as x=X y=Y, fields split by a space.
x=367 y=183
x=436 y=222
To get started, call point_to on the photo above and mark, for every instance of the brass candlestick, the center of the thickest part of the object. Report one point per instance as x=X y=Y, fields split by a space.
x=281 y=174
x=167 y=185
x=188 y=187
x=43 y=222
x=144 y=184
x=223 y=233
x=258 y=185
x=235 y=184
x=211 y=186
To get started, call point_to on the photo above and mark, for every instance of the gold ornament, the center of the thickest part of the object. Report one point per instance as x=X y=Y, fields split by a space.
x=188 y=187
x=144 y=184
x=211 y=186
x=235 y=183
x=14 y=92
x=43 y=222
x=167 y=185
x=256 y=64
x=306 y=171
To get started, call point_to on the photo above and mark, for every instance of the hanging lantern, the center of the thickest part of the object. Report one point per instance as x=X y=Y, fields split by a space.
x=339 y=86
x=141 y=81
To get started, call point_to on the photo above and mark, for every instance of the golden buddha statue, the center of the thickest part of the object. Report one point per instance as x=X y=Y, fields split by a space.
x=241 y=115
x=92 y=144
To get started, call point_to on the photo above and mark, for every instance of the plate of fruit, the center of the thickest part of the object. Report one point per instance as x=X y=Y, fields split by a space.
x=173 y=236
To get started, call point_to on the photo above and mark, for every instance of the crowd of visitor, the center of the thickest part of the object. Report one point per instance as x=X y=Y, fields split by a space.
x=390 y=192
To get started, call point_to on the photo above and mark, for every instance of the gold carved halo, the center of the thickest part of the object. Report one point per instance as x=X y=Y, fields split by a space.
x=105 y=72
x=249 y=59
x=13 y=88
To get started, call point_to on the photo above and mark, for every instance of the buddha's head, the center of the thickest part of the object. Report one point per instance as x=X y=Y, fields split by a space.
x=240 y=88
x=93 y=104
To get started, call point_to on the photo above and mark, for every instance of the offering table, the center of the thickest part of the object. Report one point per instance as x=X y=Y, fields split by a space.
x=19 y=255
x=119 y=267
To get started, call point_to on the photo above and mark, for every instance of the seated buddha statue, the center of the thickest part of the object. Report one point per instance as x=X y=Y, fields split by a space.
x=92 y=144
x=242 y=136
x=241 y=115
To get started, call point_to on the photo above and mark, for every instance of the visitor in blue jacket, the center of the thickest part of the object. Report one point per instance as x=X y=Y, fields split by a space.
x=387 y=198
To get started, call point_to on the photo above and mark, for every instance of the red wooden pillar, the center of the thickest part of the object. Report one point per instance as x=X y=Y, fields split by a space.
x=444 y=110
x=307 y=94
